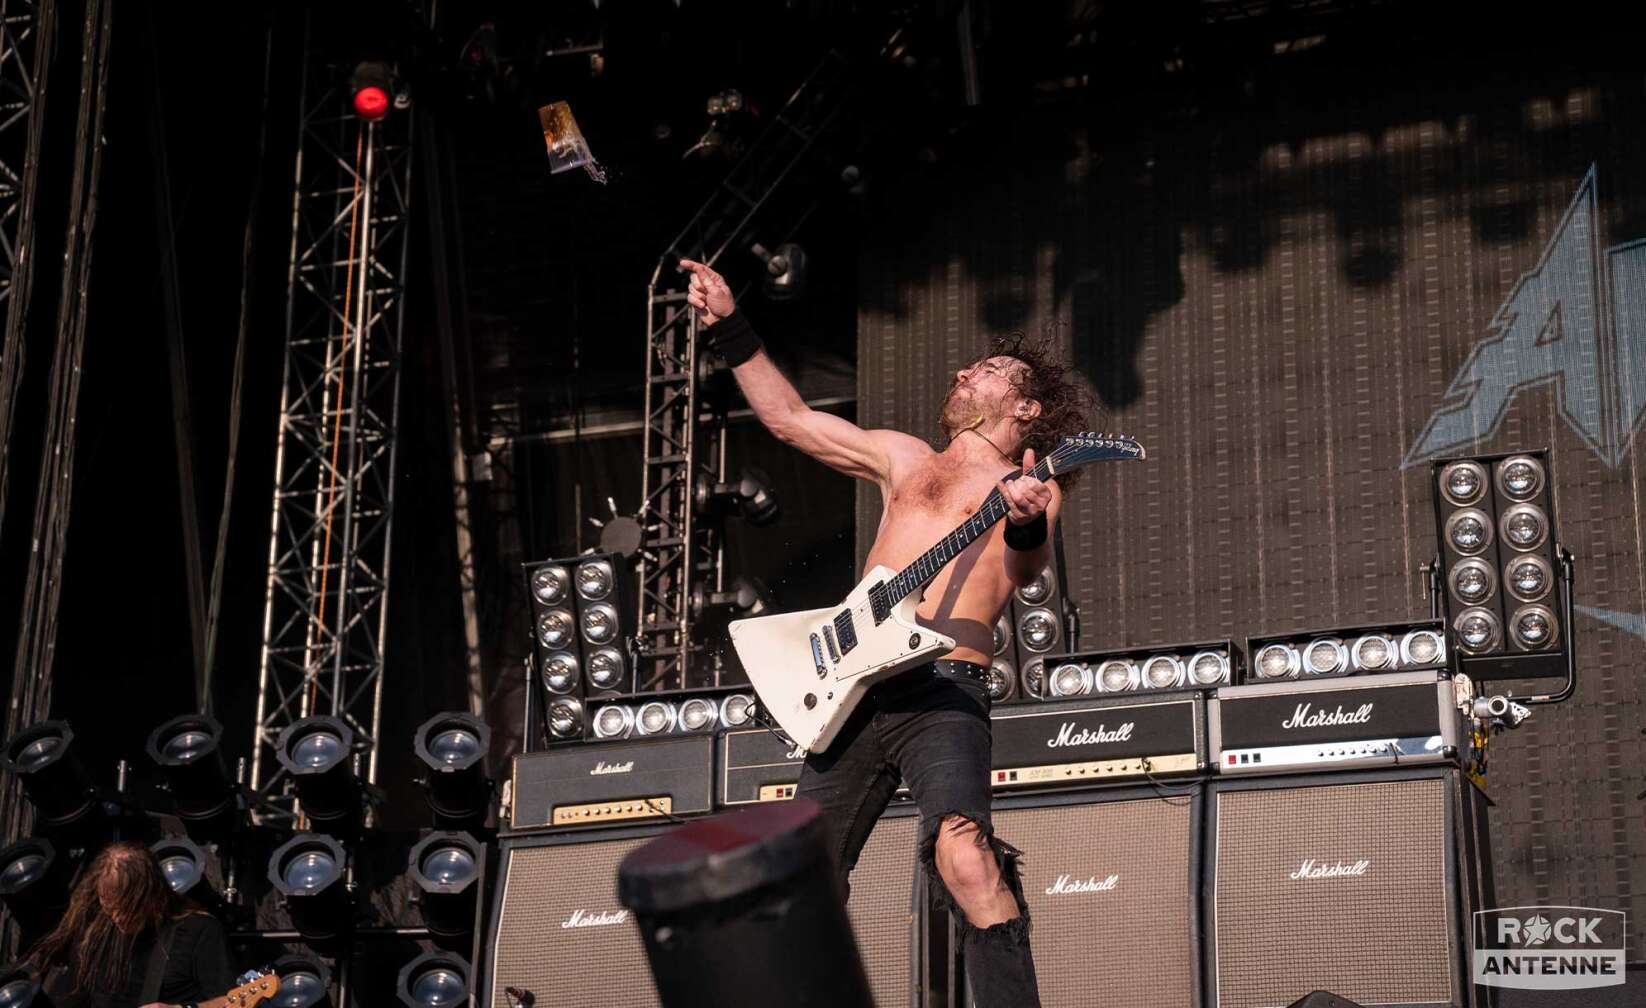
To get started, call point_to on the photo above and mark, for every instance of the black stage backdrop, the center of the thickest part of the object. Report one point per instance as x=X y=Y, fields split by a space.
x=1294 y=310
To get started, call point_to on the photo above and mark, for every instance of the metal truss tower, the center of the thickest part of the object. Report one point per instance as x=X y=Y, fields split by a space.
x=328 y=575
x=684 y=442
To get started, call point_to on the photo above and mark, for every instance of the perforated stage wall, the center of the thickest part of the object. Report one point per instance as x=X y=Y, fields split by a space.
x=1295 y=312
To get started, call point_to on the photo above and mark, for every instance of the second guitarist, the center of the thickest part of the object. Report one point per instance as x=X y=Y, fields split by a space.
x=929 y=727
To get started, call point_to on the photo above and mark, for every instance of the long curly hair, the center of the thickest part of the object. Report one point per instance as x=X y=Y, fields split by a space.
x=95 y=949
x=1067 y=405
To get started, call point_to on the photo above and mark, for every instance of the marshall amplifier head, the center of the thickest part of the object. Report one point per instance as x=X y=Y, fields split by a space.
x=755 y=766
x=1095 y=739
x=1387 y=720
x=607 y=782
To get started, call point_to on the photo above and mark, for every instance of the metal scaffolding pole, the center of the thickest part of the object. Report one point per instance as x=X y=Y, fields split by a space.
x=326 y=607
x=683 y=439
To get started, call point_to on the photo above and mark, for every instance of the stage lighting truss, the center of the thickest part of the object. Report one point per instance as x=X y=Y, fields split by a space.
x=688 y=712
x=1501 y=571
x=434 y=980
x=309 y=872
x=305 y=982
x=1402 y=647
x=1198 y=665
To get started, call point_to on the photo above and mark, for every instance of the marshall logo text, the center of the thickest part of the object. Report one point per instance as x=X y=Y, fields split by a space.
x=1067 y=736
x=1301 y=718
x=1310 y=870
x=1069 y=884
x=602 y=767
x=582 y=918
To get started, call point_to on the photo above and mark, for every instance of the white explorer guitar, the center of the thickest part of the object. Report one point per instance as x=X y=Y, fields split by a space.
x=811 y=668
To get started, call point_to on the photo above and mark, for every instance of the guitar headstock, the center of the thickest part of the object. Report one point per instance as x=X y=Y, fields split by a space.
x=255 y=987
x=1091 y=446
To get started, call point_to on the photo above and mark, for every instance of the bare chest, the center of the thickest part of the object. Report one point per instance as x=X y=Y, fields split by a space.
x=938 y=495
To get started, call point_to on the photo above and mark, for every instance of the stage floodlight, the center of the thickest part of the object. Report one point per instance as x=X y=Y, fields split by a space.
x=318 y=753
x=734 y=710
x=557 y=628
x=614 y=721
x=1209 y=668
x=600 y=623
x=1325 y=656
x=751 y=495
x=453 y=748
x=1000 y=680
x=446 y=868
x=1529 y=578
x=1463 y=483
x=606 y=669
x=56 y=783
x=596 y=579
x=1478 y=630
x=565 y=719
x=1520 y=478
x=745 y=598
x=1070 y=679
x=1037 y=629
x=1034 y=678
x=1002 y=634
x=434 y=980
x=1534 y=626
x=656 y=717
x=309 y=871
x=34 y=882
x=1036 y=592
x=1524 y=527
x=188 y=752
x=560 y=672
x=1278 y=661
x=550 y=584
x=305 y=982
x=185 y=865
x=1163 y=671
x=698 y=714
x=786 y=270
x=1344 y=651
x=371 y=90
x=20 y=989
x=1117 y=675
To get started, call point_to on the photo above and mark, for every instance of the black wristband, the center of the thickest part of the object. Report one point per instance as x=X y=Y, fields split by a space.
x=1027 y=537
x=733 y=338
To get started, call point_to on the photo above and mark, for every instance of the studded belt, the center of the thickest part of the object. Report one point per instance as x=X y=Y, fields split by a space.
x=949 y=668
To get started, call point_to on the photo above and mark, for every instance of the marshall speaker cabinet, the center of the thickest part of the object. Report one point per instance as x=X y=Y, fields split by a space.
x=1361 y=721
x=1112 y=880
x=1361 y=884
x=1089 y=740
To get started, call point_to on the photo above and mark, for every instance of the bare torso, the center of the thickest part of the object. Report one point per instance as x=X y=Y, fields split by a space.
x=928 y=495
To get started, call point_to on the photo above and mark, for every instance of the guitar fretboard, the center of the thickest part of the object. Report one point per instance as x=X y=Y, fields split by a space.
x=926 y=566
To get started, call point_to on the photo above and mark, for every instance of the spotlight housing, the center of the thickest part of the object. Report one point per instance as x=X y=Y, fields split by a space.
x=1034 y=678
x=308 y=872
x=453 y=747
x=734 y=710
x=1345 y=651
x=305 y=982
x=371 y=90
x=750 y=495
x=186 y=867
x=447 y=868
x=318 y=753
x=1069 y=679
x=434 y=980
x=43 y=758
x=1001 y=680
x=34 y=882
x=19 y=989
x=564 y=716
x=189 y=754
x=614 y=721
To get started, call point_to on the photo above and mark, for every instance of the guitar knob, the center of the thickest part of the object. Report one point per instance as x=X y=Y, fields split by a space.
x=810 y=700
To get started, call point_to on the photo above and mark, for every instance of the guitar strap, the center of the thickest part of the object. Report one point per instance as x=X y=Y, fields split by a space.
x=159 y=958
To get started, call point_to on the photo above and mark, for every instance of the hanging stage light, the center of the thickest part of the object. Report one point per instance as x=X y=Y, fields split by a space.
x=453 y=746
x=43 y=758
x=185 y=865
x=751 y=495
x=19 y=989
x=305 y=982
x=371 y=89
x=785 y=277
x=1383 y=647
x=446 y=867
x=187 y=751
x=34 y=882
x=308 y=872
x=318 y=753
x=745 y=598
x=434 y=980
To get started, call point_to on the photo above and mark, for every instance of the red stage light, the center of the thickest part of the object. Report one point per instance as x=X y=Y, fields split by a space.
x=371 y=103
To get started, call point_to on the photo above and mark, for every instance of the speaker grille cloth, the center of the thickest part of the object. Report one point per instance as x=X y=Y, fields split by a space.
x=1379 y=937
x=880 y=908
x=1126 y=945
x=572 y=966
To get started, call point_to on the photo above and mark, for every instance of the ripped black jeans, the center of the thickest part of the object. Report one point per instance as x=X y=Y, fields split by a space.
x=928 y=728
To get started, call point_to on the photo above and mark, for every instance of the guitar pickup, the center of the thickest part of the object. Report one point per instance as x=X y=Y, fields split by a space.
x=828 y=640
x=817 y=658
x=844 y=630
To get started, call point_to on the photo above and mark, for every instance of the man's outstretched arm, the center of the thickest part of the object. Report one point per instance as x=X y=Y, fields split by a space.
x=837 y=443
